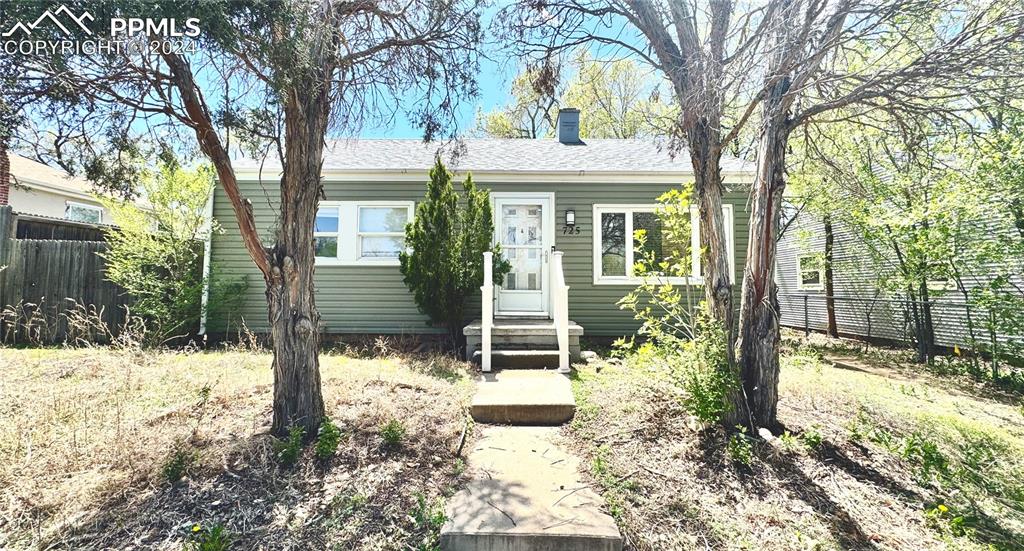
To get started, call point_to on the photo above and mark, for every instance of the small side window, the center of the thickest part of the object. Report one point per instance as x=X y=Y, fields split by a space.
x=80 y=212
x=811 y=276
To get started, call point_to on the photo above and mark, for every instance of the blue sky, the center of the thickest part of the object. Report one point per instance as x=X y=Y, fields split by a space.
x=494 y=80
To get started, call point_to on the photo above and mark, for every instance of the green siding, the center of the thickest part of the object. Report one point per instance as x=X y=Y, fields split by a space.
x=368 y=299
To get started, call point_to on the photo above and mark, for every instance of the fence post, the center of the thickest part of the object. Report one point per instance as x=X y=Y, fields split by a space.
x=807 y=323
x=6 y=234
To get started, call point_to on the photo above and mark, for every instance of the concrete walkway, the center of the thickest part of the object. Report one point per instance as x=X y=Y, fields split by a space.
x=526 y=493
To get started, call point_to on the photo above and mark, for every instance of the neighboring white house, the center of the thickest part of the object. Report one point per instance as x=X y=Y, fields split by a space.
x=37 y=189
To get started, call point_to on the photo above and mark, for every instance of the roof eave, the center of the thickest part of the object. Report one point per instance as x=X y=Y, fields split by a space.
x=406 y=174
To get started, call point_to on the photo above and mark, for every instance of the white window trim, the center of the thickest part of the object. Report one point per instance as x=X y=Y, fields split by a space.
x=86 y=206
x=800 y=285
x=629 y=279
x=349 y=242
x=941 y=285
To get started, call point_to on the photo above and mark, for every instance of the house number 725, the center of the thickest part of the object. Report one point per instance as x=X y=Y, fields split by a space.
x=570 y=230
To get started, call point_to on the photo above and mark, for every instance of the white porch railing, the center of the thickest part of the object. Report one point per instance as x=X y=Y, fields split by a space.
x=560 y=303
x=487 y=313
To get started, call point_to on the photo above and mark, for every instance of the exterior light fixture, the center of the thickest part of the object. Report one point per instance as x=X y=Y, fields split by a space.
x=570 y=217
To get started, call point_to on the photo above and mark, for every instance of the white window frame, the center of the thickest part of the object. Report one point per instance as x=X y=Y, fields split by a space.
x=86 y=206
x=349 y=242
x=800 y=274
x=629 y=278
x=941 y=285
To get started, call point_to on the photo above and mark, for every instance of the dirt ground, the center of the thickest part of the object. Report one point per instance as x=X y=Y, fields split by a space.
x=86 y=435
x=876 y=454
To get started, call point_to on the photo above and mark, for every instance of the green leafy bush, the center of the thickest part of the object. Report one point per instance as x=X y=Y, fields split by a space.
x=155 y=253
x=680 y=333
x=446 y=242
x=327 y=440
x=393 y=433
x=288 y=451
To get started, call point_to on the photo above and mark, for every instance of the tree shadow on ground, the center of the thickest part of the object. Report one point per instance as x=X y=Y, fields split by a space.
x=362 y=492
x=836 y=457
x=844 y=528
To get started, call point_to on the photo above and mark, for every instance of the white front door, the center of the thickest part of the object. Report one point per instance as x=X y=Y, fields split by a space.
x=524 y=226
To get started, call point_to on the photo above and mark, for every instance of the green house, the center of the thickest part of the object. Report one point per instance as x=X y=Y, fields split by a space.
x=583 y=198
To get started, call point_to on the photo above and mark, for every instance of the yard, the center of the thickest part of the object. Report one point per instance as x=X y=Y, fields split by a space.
x=90 y=439
x=876 y=454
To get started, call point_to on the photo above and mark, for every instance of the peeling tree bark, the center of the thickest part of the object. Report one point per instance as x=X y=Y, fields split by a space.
x=705 y=155
x=755 y=405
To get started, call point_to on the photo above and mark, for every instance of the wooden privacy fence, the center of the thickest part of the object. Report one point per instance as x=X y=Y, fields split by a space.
x=53 y=291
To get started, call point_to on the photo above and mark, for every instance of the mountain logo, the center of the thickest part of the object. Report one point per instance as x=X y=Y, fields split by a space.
x=54 y=17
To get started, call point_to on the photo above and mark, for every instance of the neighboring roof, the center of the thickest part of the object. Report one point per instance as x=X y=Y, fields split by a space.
x=504 y=155
x=62 y=221
x=34 y=174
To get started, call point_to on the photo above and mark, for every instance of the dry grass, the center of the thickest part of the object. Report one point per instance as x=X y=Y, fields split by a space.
x=84 y=435
x=673 y=486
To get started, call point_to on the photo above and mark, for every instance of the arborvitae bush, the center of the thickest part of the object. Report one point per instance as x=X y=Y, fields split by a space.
x=443 y=263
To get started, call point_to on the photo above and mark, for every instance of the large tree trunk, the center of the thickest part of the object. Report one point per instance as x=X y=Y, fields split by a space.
x=830 y=301
x=758 y=344
x=294 y=319
x=705 y=155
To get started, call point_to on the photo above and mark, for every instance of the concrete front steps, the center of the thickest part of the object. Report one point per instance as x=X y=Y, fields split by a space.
x=523 y=397
x=526 y=495
x=522 y=342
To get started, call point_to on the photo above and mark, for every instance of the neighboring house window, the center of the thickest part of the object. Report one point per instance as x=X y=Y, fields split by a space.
x=80 y=212
x=811 y=276
x=360 y=232
x=941 y=284
x=615 y=228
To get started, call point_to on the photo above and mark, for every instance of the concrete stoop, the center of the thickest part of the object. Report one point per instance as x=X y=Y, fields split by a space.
x=520 y=334
x=526 y=495
x=523 y=397
x=520 y=359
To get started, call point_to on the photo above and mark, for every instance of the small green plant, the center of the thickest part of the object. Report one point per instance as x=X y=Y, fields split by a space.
x=740 y=448
x=791 y=443
x=428 y=516
x=926 y=455
x=327 y=440
x=858 y=428
x=615 y=487
x=346 y=505
x=948 y=521
x=393 y=433
x=812 y=437
x=882 y=437
x=212 y=538
x=179 y=463
x=459 y=467
x=288 y=451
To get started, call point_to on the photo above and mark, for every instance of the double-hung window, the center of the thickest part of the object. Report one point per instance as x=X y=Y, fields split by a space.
x=361 y=232
x=811 y=272
x=616 y=249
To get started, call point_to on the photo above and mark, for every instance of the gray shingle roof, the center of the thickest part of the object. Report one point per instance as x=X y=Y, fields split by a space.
x=506 y=155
